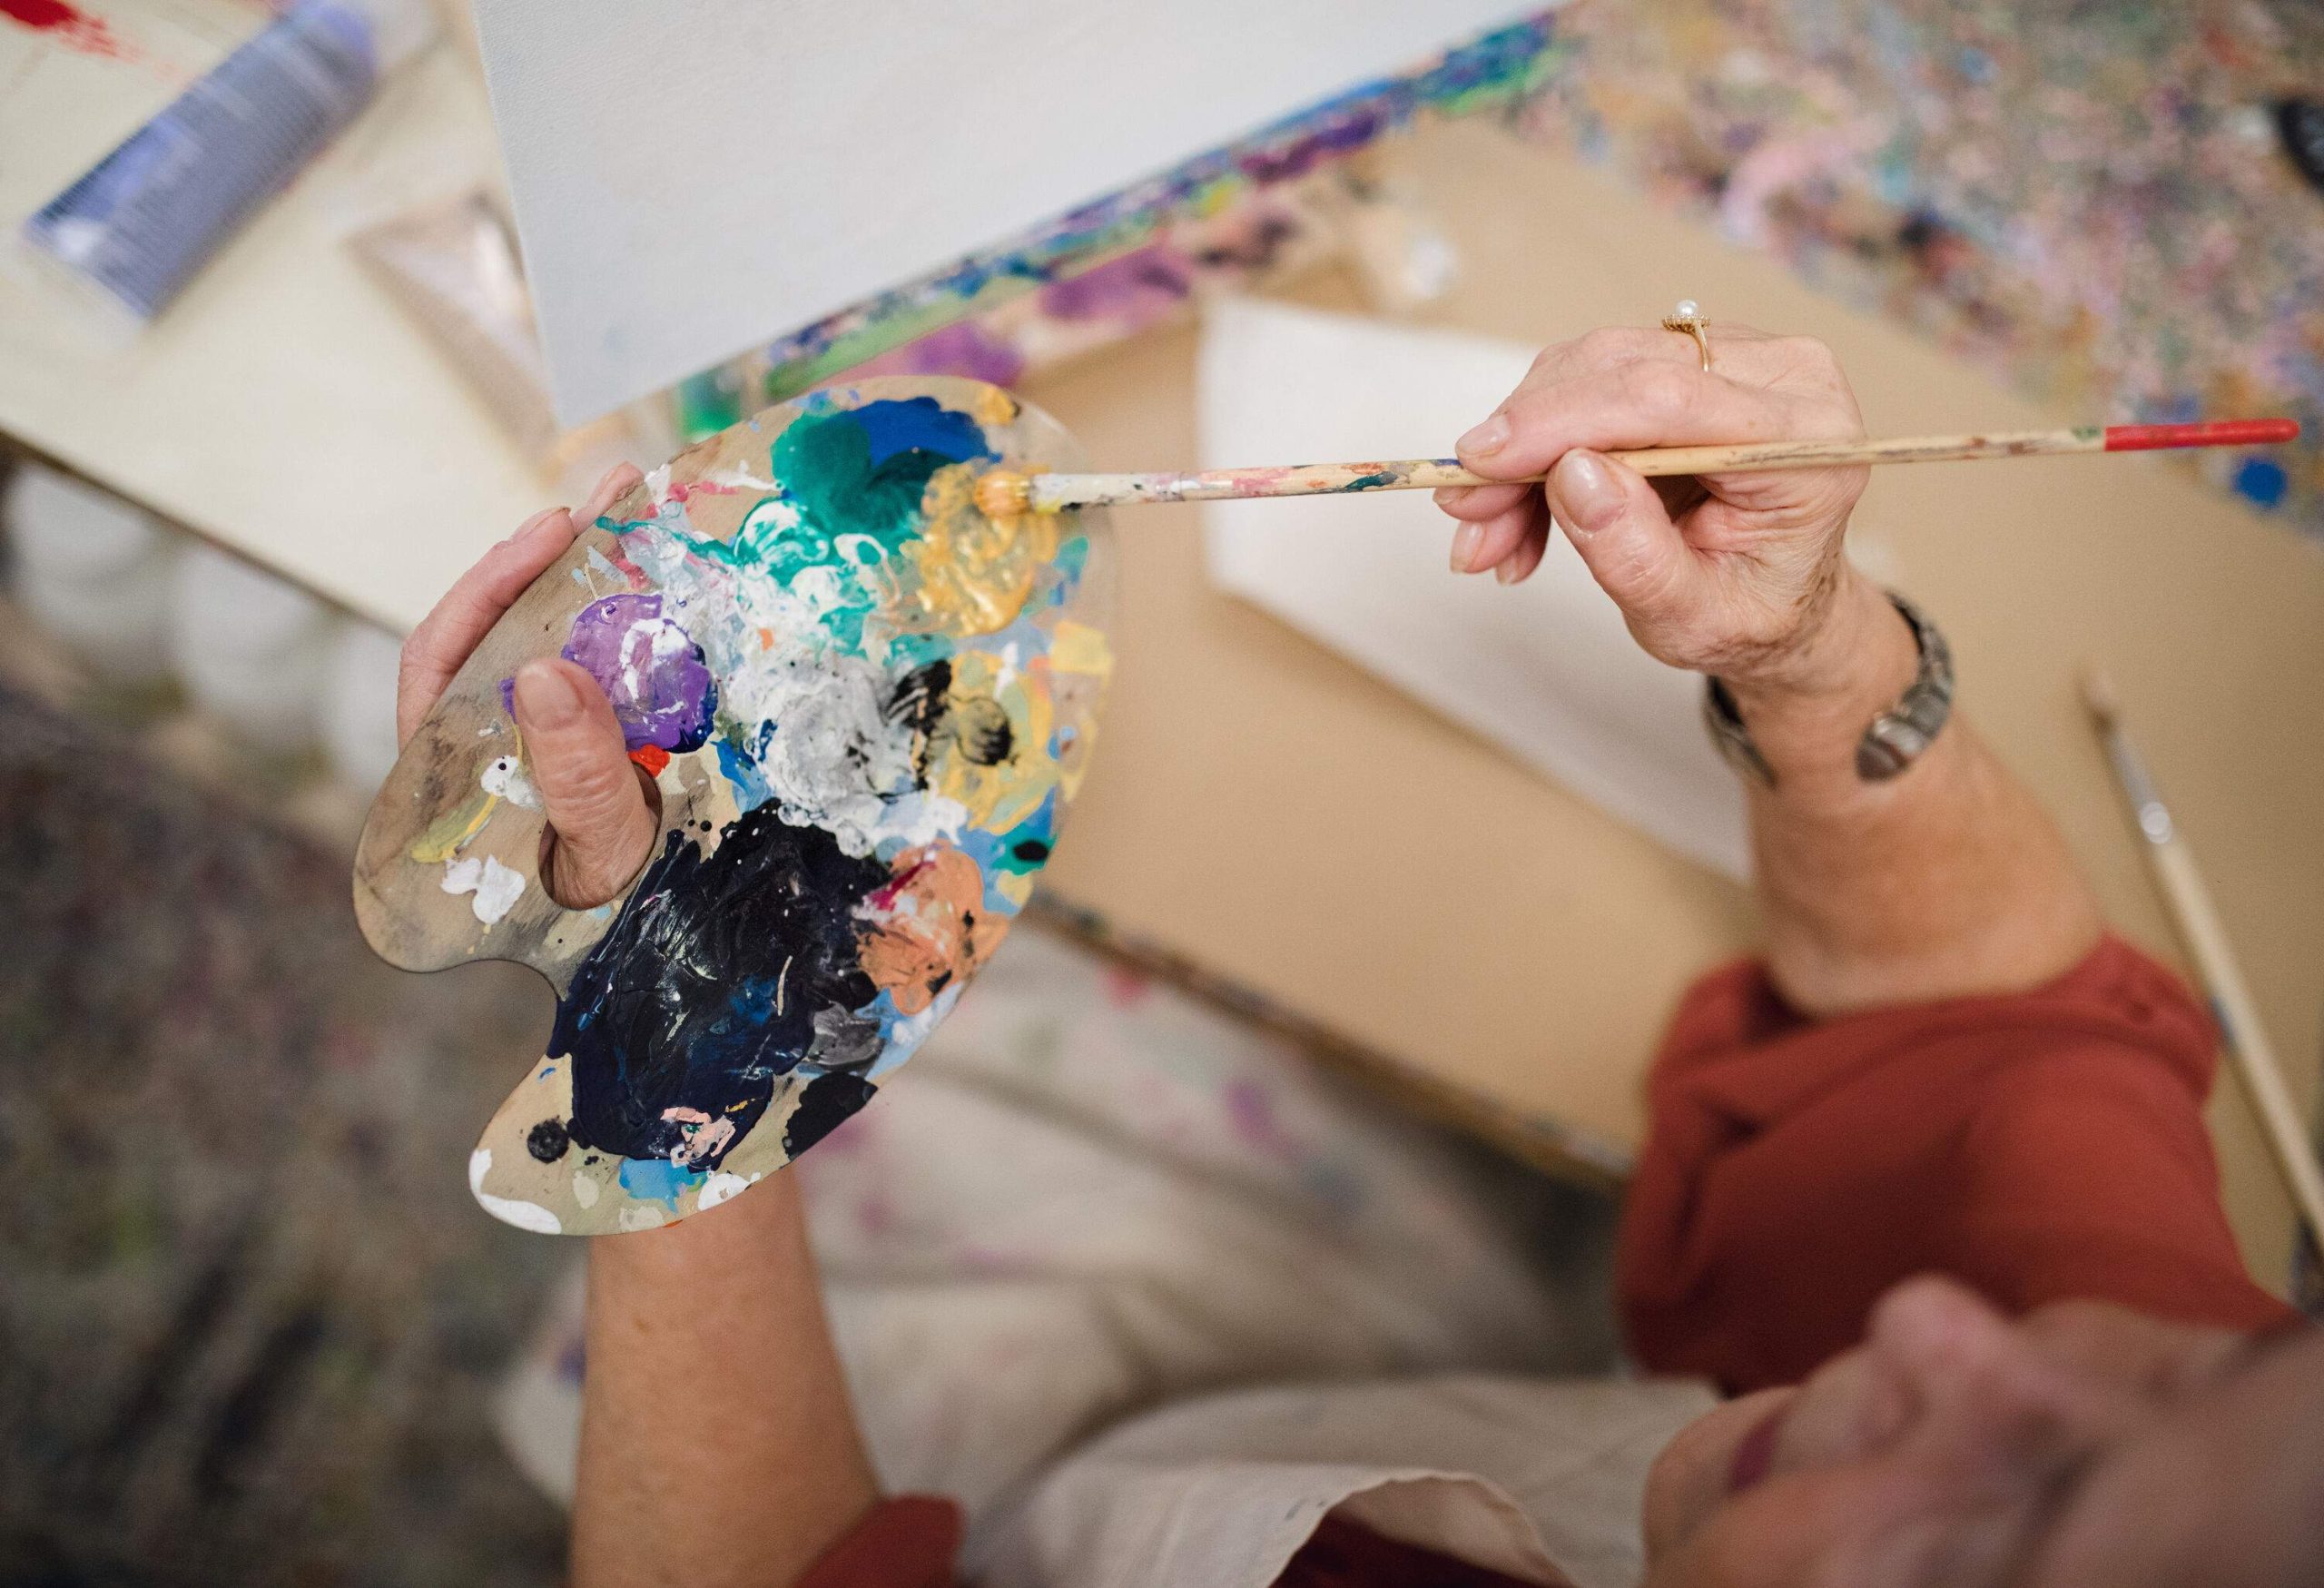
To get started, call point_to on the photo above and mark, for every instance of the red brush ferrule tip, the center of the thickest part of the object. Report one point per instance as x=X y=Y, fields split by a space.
x=2214 y=433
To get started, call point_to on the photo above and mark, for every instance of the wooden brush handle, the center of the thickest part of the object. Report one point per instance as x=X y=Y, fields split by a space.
x=1051 y=492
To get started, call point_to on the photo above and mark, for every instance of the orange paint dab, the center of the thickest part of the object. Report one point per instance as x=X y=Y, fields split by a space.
x=651 y=757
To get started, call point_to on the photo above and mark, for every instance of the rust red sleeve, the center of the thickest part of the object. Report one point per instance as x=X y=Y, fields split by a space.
x=1341 y=1553
x=2039 y=1146
x=908 y=1542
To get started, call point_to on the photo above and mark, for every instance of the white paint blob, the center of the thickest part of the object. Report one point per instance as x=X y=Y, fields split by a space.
x=496 y=888
x=508 y=778
x=508 y=1210
x=722 y=1187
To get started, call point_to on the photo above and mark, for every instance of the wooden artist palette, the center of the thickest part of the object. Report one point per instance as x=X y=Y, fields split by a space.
x=866 y=705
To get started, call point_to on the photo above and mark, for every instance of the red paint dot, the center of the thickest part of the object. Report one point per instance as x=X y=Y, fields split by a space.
x=651 y=757
x=68 y=24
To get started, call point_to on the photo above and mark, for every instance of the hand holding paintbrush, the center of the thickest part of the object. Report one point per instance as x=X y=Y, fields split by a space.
x=1656 y=404
x=1004 y=493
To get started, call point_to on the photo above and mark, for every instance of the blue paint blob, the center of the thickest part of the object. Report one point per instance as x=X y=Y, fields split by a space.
x=657 y=1179
x=2261 y=481
x=920 y=424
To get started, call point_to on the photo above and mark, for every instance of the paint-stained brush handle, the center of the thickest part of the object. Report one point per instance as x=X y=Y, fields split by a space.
x=1002 y=493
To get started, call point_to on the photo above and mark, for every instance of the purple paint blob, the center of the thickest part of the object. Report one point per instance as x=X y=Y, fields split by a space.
x=962 y=348
x=1137 y=287
x=649 y=667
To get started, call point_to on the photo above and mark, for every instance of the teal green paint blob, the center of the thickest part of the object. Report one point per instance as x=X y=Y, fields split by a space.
x=912 y=651
x=850 y=482
x=1370 y=481
x=864 y=470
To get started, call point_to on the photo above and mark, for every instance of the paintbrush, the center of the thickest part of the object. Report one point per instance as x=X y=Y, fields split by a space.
x=1004 y=493
x=2190 y=907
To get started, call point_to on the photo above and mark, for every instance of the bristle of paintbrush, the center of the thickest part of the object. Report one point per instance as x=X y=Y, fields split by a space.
x=1003 y=494
x=2098 y=696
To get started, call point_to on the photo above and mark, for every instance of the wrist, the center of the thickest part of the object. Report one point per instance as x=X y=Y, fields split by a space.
x=1807 y=717
x=1847 y=646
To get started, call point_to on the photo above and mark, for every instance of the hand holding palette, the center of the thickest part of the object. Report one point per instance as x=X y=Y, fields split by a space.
x=865 y=705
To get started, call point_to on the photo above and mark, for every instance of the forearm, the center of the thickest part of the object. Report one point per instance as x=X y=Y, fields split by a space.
x=1946 y=881
x=718 y=1445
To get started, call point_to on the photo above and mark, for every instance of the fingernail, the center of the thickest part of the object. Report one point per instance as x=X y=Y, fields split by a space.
x=1505 y=570
x=548 y=696
x=1488 y=437
x=1587 y=499
x=603 y=497
x=1464 y=546
x=533 y=523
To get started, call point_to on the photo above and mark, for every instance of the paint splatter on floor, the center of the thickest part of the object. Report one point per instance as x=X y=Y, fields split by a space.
x=252 y=1323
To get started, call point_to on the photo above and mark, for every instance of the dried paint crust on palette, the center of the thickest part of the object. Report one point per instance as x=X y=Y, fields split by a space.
x=866 y=706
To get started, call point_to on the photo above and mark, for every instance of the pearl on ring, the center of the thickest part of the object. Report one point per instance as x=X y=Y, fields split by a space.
x=1686 y=320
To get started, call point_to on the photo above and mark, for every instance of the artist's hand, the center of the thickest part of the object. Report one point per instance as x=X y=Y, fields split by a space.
x=1735 y=574
x=600 y=805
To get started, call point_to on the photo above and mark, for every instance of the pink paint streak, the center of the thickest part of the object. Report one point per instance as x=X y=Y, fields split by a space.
x=67 y=24
x=1251 y=1112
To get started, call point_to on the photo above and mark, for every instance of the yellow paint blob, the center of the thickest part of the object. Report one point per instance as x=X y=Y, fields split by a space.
x=990 y=752
x=452 y=832
x=966 y=574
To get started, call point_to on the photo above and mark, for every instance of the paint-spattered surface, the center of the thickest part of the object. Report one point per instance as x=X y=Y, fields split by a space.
x=866 y=705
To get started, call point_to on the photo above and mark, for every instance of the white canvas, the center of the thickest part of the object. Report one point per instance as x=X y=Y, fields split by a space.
x=694 y=177
x=1546 y=669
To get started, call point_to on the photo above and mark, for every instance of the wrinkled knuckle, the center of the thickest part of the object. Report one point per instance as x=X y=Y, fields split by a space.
x=1811 y=352
x=1606 y=345
x=415 y=653
x=1658 y=392
x=1642 y=579
x=595 y=792
x=1526 y=410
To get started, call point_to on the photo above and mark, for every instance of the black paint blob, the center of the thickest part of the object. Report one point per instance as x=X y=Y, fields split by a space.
x=823 y=1108
x=919 y=703
x=709 y=987
x=2300 y=123
x=547 y=1141
x=981 y=728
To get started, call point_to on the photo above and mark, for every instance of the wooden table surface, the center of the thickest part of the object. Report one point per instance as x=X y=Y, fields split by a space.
x=1259 y=806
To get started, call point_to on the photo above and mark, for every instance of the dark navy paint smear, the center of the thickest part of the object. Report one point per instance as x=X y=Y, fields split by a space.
x=706 y=991
x=823 y=1109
